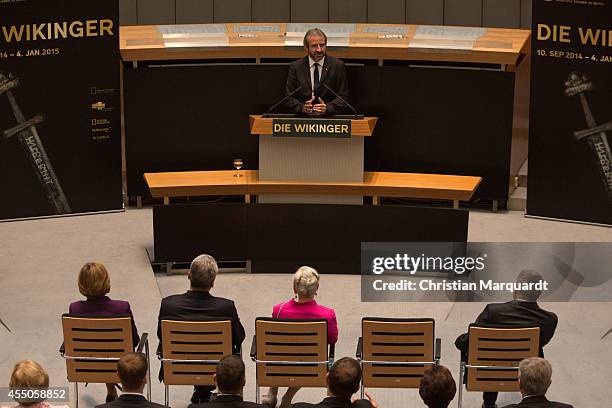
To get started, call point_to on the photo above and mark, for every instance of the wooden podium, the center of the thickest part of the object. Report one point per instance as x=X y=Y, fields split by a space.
x=302 y=148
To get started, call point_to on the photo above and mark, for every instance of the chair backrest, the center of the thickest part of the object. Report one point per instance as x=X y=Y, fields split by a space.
x=88 y=338
x=283 y=348
x=396 y=340
x=208 y=341
x=499 y=347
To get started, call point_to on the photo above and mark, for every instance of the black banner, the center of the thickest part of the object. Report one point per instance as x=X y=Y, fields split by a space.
x=570 y=161
x=60 y=147
x=311 y=128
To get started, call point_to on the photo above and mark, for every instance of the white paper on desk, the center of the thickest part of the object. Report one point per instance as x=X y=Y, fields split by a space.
x=449 y=33
x=197 y=42
x=185 y=29
x=296 y=39
x=384 y=29
x=328 y=29
x=441 y=44
x=256 y=28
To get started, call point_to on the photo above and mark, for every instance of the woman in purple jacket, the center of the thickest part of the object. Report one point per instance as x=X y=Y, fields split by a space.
x=302 y=306
x=94 y=284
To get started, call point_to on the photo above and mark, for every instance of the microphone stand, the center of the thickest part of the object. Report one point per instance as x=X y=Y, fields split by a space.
x=270 y=109
x=342 y=99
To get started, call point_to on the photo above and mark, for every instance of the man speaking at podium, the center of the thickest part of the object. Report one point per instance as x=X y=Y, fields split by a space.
x=312 y=80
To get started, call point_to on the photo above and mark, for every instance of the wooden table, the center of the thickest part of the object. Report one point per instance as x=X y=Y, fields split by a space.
x=376 y=184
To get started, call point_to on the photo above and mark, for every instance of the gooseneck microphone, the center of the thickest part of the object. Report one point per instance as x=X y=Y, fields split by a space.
x=271 y=108
x=342 y=99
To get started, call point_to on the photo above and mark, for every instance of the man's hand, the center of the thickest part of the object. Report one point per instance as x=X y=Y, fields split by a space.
x=320 y=108
x=370 y=399
x=307 y=108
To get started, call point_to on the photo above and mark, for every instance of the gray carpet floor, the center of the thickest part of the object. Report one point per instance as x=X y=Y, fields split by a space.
x=40 y=260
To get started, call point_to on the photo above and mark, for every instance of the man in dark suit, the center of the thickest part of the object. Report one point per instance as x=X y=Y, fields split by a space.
x=230 y=379
x=132 y=371
x=313 y=74
x=535 y=375
x=197 y=303
x=523 y=311
x=343 y=381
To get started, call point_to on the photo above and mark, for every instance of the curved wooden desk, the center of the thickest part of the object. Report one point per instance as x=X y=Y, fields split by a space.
x=375 y=184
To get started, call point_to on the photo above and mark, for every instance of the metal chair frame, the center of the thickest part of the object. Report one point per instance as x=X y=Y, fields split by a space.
x=464 y=366
x=226 y=340
x=436 y=346
x=258 y=362
x=142 y=344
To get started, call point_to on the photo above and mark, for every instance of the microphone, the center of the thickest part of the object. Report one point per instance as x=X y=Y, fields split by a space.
x=341 y=98
x=265 y=115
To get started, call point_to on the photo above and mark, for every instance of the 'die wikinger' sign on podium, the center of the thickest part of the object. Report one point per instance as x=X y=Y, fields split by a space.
x=296 y=127
x=326 y=150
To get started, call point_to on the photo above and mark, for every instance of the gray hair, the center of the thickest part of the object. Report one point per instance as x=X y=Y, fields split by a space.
x=306 y=281
x=535 y=374
x=527 y=276
x=203 y=271
x=314 y=32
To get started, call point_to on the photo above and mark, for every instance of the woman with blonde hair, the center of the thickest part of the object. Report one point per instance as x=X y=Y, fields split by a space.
x=28 y=377
x=94 y=284
x=302 y=306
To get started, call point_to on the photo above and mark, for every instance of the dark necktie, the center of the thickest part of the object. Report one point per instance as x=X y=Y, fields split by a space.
x=316 y=78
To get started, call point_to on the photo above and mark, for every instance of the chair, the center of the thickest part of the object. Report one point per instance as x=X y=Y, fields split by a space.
x=93 y=345
x=290 y=353
x=395 y=352
x=494 y=354
x=191 y=350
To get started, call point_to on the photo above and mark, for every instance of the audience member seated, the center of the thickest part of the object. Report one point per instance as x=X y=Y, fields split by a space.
x=343 y=381
x=29 y=374
x=132 y=370
x=94 y=284
x=523 y=311
x=230 y=379
x=302 y=306
x=198 y=303
x=534 y=379
x=437 y=388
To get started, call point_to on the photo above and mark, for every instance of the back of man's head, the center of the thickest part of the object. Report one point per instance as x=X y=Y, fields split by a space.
x=528 y=277
x=132 y=371
x=344 y=377
x=437 y=388
x=230 y=375
x=202 y=272
x=535 y=375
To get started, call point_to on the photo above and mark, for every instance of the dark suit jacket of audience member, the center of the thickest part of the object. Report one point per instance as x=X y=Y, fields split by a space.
x=228 y=401
x=195 y=305
x=335 y=402
x=104 y=306
x=538 y=402
x=131 y=401
x=515 y=313
x=332 y=74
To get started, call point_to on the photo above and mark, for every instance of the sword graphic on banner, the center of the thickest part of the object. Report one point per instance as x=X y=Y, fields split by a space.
x=28 y=137
x=578 y=84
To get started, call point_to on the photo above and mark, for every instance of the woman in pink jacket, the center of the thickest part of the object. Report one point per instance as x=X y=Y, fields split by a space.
x=302 y=306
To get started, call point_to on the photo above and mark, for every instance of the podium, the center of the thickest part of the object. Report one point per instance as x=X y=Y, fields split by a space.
x=322 y=149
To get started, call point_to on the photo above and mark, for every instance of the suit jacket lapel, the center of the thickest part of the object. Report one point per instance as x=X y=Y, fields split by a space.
x=324 y=69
